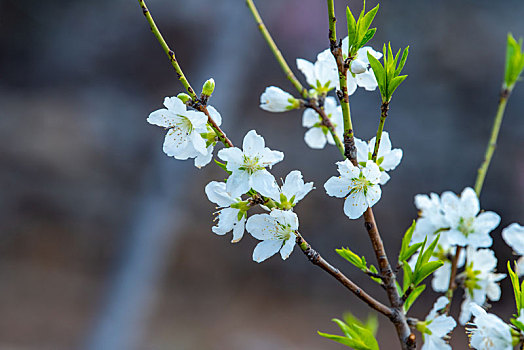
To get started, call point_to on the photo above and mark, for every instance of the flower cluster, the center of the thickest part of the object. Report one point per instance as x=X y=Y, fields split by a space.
x=322 y=77
x=436 y=326
x=250 y=177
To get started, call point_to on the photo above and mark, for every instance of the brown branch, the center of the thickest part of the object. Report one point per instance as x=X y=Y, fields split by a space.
x=316 y=259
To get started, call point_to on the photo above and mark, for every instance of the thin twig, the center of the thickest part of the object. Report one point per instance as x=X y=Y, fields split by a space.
x=327 y=122
x=316 y=259
x=479 y=182
x=180 y=74
x=383 y=115
x=276 y=52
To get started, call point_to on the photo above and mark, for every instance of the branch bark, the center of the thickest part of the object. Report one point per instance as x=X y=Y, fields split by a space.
x=316 y=259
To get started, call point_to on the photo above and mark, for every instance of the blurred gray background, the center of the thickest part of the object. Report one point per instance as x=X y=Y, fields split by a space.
x=106 y=243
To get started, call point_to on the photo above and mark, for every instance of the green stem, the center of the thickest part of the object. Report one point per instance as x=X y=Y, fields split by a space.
x=383 y=115
x=197 y=103
x=483 y=169
x=276 y=52
x=479 y=182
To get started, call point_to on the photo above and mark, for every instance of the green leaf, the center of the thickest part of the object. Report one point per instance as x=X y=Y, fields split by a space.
x=516 y=286
x=429 y=252
x=367 y=37
x=365 y=22
x=379 y=72
x=352 y=28
x=402 y=61
x=353 y=258
x=411 y=250
x=372 y=324
x=426 y=270
x=406 y=240
x=413 y=296
x=407 y=278
x=514 y=61
x=356 y=336
x=373 y=269
x=395 y=82
x=517 y=324
x=419 y=262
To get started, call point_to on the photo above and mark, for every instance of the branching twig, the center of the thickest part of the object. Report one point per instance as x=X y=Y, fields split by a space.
x=197 y=103
x=316 y=259
x=479 y=182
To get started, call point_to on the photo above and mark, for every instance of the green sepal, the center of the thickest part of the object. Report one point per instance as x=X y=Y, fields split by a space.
x=223 y=166
x=413 y=296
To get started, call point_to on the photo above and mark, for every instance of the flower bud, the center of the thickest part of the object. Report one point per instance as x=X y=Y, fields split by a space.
x=209 y=87
x=358 y=67
x=183 y=97
x=275 y=99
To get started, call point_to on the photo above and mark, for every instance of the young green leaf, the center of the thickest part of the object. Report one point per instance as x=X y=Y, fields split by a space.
x=516 y=286
x=352 y=28
x=408 y=277
x=367 y=37
x=365 y=22
x=223 y=166
x=514 y=62
x=413 y=296
x=353 y=258
x=426 y=270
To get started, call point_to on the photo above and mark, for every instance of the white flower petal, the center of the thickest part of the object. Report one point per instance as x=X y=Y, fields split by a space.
x=355 y=205
x=198 y=143
x=269 y=157
x=367 y=80
x=263 y=182
x=309 y=118
x=213 y=113
x=227 y=218
x=308 y=69
x=384 y=178
x=392 y=159
x=203 y=160
x=253 y=144
x=337 y=186
x=287 y=248
x=238 y=230
x=261 y=226
x=266 y=249
x=216 y=193
x=513 y=235
x=486 y=222
x=238 y=183
x=469 y=203
x=163 y=117
x=274 y=99
x=232 y=155
x=315 y=138
x=373 y=195
x=176 y=144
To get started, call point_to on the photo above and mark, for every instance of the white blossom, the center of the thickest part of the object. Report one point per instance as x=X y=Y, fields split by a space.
x=248 y=166
x=321 y=75
x=183 y=139
x=514 y=237
x=436 y=327
x=360 y=74
x=276 y=230
x=274 y=99
x=466 y=227
x=228 y=218
x=480 y=281
x=358 y=185
x=431 y=220
x=318 y=134
x=387 y=158
x=292 y=190
x=488 y=331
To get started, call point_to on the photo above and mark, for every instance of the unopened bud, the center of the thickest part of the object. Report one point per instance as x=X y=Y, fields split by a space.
x=358 y=67
x=209 y=87
x=183 y=97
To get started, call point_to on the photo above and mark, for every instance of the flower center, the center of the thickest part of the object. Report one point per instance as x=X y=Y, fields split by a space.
x=466 y=226
x=184 y=124
x=251 y=164
x=359 y=184
x=283 y=232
